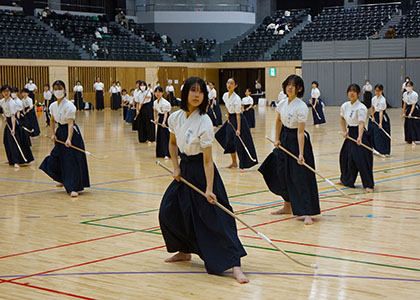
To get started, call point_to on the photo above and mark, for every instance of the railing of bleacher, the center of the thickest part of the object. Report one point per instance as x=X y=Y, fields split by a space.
x=77 y=7
x=194 y=7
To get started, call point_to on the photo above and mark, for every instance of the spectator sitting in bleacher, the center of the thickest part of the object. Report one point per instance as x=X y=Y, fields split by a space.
x=94 y=48
x=390 y=34
x=122 y=19
x=375 y=36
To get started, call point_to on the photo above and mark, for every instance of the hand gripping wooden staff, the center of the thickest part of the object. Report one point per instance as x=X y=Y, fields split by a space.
x=310 y=168
x=363 y=145
x=314 y=266
x=243 y=144
x=386 y=133
x=80 y=149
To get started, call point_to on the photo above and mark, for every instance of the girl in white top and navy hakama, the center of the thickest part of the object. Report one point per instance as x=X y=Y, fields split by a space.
x=47 y=101
x=317 y=105
x=381 y=142
x=32 y=88
x=170 y=93
x=227 y=135
x=213 y=110
x=161 y=108
x=19 y=103
x=99 y=93
x=119 y=89
x=9 y=109
x=285 y=176
x=367 y=94
x=145 y=128
x=354 y=158
x=115 y=99
x=189 y=222
x=30 y=120
x=248 y=108
x=66 y=165
x=125 y=102
x=78 y=96
x=131 y=108
x=411 y=109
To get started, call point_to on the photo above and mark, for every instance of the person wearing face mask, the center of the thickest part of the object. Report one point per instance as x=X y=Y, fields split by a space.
x=14 y=139
x=354 y=158
x=114 y=96
x=403 y=90
x=30 y=120
x=66 y=165
x=19 y=104
x=189 y=223
x=170 y=93
x=99 y=88
x=411 y=109
x=381 y=142
x=367 y=94
x=236 y=126
x=31 y=86
x=78 y=96
x=285 y=176
x=144 y=115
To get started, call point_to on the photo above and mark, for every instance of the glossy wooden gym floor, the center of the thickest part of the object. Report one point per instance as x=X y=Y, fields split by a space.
x=106 y=243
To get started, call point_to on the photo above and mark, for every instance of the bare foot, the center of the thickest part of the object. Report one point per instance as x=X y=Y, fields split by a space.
x=60 y=185
x=285 y=210
x=308 y=220
x=149 y=143
x=369 y=190
x=74 y=194
x=232 y=165
x=239 y=275
x=180 y=256
x=16 y=166
x=242 y=171
x=413 y=144
x=166 y=158
x=317 y=126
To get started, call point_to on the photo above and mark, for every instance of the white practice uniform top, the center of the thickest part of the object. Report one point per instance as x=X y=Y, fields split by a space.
x=98 y=86
x=64 y=112
x=31 y=86
x=125 y=98
x=293 y=113
x=47 y=95
x=78 y=88
x=315 y=93
x=411 y=98
x=131 y=100
x=170 y=88
x=281 y=96
x=113 y=89
x=353 y=113
x=192 y=133
x=247 y=100
x=379 y=103
x=27 y=102
x=367 y=88
x=233 y=103
x=19 y=104
x=403 y=85
x=9 y=107
x=140 y=96
x=162 y=106
x=212 y=94
x=119 y=88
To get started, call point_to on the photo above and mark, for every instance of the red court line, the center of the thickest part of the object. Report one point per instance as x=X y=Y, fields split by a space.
x=295 y=217
x=335 y=248
x=48 y=290
x=65 y=245
x=83 y=264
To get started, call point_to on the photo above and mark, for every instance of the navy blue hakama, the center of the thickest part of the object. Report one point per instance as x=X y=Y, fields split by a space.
x=12 y=151
x=318 y=108
x=226 y=136
x=162 y=138
x=215 y=114
x=380 y=141
x=356 y=159
x=100 y=100
x=131 y=113
x=412 y=126
x=30 y=121
x=78 y=101
x=145 y=128
x=67 y=165
x=190 y=224
x=250 y=116
x=293 y=182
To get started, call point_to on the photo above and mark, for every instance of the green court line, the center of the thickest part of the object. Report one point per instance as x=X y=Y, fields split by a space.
x=154 y=231
x=337 y=258
x=247 y=194
x=120 y=216
x=258 y=209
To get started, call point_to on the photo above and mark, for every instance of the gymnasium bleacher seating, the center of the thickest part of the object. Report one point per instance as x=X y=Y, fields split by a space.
x=114 y=42
x=409 y=25
x=24 y=38
x=253 y=46
x=338 y=23
x=187 y=51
